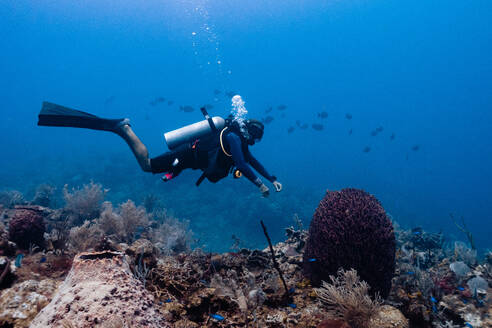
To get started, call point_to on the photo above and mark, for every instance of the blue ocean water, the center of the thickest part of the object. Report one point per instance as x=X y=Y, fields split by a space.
x=421 y=71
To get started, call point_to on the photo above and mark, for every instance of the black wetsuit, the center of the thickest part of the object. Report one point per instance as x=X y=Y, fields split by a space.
x=241 y=158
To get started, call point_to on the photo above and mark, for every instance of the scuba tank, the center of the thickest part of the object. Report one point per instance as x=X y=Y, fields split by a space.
x=190 y=133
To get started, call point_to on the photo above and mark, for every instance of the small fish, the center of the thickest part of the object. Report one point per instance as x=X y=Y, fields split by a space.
x=434 y=309
x=311 y=260
x=168 y=300
x=464 y=301
x=18 y=260
x=282 y=107
x=217 y=317
x=392 y=137
x=366 y=149
x=417 y=233
x=208 y=106
x=374 y=133
x=290 y=130
x=350 y=132
x=416 y=147
x=267 y=120
x=186 y=109
x=160 y=99
x=292 y=290
x=43 y=259
x=469 y=325
x=433 y=299
x=460 y=288
x=203 y=281
x=292 y=305
x=379 y=129
x=217 y=92
x=323 y=115
x=268 y=110
x=348 y=116
x=170 y=102
x=317 y=127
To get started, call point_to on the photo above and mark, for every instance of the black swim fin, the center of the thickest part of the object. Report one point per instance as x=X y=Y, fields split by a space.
x=56 y=115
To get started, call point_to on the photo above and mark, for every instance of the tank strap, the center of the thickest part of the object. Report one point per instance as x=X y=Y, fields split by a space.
x=209 y=119
x=222 y=143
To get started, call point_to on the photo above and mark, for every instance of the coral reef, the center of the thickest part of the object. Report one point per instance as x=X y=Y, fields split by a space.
x=436 y=286
x=146 y=256
x=27 y=226
x=100 y=290
x=350 y=229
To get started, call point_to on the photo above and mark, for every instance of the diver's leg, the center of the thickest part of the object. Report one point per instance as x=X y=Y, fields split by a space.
x=173 y=162
x=138 y=148
x=56 y=115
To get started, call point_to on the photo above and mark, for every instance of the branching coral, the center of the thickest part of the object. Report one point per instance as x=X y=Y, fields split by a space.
x=10 y=198
x=85 y=203
x=347 y=298
x=173 y=235
x=85 y=237
x=43 y=195
x=123 y=223
x=464 y=253
x=132 y=218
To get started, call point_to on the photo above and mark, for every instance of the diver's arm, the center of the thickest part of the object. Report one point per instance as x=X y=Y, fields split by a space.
x=258 y=167
x=238 y=157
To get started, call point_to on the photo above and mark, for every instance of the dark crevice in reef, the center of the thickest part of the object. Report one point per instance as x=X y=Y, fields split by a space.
x=98 y=256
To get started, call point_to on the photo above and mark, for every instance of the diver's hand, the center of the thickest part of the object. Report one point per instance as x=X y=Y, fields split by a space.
x=277 y=185
x=264 y=190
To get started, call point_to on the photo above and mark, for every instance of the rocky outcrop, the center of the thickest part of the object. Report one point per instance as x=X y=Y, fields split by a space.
x=100 y=290
x=388 y=317
x=21 y=303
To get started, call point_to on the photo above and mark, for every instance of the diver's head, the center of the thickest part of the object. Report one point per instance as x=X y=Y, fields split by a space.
x=254 y=130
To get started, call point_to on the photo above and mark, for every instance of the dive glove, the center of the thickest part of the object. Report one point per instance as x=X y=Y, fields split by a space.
x=277 y=185
x=264 y=190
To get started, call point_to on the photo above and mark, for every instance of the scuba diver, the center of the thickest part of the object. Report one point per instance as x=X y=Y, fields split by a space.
x=216 y=146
